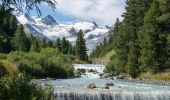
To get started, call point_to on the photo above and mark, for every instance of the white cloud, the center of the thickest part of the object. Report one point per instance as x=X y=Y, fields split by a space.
x=104 y=12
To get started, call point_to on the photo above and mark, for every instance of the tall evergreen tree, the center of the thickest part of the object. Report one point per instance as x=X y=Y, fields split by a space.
x=64 y=46
x=58 y=44
x=43 y=43
x=133 y=21
x=153 y=53
x=20 y=40
x=81 y=50
x=50 y=44
x=35 y=45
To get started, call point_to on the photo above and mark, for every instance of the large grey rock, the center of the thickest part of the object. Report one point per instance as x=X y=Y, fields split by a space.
x=77 y=74
x=109 y=84
x=91 y=86
x=106 y=87
x=105 y=76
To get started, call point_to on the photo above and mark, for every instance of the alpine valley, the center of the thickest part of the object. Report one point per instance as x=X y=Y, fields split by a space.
x=49 y=28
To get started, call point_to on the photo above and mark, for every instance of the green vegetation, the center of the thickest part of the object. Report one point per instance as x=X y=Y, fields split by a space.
x=16 y=86
x=7 y=68
x=21 y=88
x=141 y=41
x=48 y=62
x=160 y=76
x=23 y=54
x=81 y=47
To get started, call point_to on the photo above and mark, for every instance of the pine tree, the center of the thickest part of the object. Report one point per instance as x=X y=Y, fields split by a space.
x=43 y=43
x=64 y=46
x=133 y=21
x=50 y=44
x=35 y=45
x=153 y=52
x=20 y=40
x=81 y=50
x=164 y=20
x=58 y=44
x=132 y=64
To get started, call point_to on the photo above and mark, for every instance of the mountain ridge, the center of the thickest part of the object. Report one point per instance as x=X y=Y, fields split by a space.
x=49 y=28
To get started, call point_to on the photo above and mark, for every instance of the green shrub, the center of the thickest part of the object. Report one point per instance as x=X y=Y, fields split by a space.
x=7 y=68
x=29 y=68
x=2 y=56
x=21 y=88
x=110 y=68
x=48 y=62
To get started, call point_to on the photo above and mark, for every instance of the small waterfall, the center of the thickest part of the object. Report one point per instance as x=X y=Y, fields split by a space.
x=68 y=95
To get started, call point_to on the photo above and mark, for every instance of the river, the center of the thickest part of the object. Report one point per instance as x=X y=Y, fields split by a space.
x=76 y=88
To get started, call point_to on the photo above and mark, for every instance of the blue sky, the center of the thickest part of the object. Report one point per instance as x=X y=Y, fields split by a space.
x=103 y=12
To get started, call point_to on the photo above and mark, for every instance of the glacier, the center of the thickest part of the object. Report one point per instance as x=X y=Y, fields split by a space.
x=49 y=28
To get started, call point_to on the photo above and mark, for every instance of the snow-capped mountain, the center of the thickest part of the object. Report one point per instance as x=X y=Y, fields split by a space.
x=49 y=28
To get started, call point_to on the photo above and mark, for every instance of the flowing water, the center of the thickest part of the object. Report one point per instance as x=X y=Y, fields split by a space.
x=76 y=88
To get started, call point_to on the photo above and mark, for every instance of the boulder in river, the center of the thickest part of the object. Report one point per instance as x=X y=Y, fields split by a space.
x=105 y=76
x=109 y=84
x=106 y=87
x=111 y=78
x=91 y=86
x=120 y=77
x=81 y=70
x=77 y=74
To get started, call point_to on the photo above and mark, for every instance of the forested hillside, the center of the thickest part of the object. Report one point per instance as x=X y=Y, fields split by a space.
x=141 y=41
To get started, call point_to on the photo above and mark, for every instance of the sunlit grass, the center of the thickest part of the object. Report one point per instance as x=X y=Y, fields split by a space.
x=106 y=58
x=160 y=76
x=9 y=67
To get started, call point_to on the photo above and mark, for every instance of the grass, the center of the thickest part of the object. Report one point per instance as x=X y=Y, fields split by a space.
x=9 y=67
x=106 y=58
x=160 y=76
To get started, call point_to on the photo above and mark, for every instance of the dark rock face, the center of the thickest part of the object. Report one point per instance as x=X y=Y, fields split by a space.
x=91 y=36
x=91 y=86
x=28 y=17
x=95 y=24
x=49 y=20
x=29 y=29
x=72 y=31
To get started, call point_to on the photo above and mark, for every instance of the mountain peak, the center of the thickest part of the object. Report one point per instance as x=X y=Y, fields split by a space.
x=95 y=24
x=49 y=20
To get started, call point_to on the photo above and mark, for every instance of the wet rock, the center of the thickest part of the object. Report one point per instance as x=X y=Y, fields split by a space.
x=92 y=71
x=105 y=76
x=91 y=86
x=101 y=74
x=111 y=78
x=120 y=77
x=106 y=87
x=109 y=84
x=81 y=70
x=77 y=74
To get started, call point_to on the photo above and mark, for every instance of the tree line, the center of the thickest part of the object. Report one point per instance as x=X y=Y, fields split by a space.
x=142 y=40
x=14 y=38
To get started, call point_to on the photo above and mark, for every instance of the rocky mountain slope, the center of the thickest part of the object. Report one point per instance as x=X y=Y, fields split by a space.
x=49 y=28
